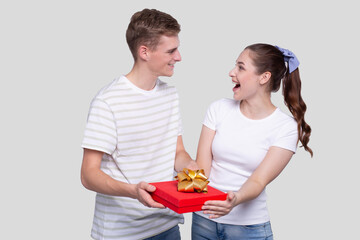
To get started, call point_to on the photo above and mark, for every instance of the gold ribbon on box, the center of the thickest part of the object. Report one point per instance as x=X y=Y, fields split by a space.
x=192 y=181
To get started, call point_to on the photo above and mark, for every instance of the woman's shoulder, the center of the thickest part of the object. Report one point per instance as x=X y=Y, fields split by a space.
x=224 y=103
x=217 y=112
x=286 y=119
x=220 y=109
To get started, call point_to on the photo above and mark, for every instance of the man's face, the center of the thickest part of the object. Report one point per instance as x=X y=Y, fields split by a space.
x=162 y=60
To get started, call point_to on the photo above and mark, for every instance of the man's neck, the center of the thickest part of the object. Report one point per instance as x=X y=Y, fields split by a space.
x=142 y=78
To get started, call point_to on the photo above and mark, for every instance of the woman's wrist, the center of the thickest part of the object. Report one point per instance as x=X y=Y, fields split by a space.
x=237 y=198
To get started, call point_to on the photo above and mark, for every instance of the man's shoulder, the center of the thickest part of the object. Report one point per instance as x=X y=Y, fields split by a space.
x=112 y=87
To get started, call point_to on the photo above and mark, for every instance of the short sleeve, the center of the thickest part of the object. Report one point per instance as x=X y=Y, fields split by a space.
x=287 y=137
x=100 y=131
x=210 y=117
x=180 y=127
x=217 y=111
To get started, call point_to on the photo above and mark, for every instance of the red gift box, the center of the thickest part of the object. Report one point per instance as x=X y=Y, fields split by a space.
x=167 y=194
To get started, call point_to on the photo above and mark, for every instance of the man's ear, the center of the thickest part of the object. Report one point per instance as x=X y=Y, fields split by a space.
x=143 y=52
x=265 y=77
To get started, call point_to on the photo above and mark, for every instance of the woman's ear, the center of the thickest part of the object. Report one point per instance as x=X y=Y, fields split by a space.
x=143 y=52
x=265 y=77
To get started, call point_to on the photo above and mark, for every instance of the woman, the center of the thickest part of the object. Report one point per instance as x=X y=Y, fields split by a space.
x=246 y=142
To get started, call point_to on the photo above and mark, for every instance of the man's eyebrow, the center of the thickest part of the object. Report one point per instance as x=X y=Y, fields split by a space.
x=173 y=49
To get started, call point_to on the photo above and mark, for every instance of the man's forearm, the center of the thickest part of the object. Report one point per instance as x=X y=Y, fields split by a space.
x=183 y=160
x=97 y=181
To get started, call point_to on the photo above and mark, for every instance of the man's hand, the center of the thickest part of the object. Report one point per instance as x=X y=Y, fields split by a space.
x=192 y=165
x=143 y=195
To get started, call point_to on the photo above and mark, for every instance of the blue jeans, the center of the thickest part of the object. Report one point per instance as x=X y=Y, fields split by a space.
x=206 y=229
x=171 y=234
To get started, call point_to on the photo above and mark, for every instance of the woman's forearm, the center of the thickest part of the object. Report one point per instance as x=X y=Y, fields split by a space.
x=250 y=190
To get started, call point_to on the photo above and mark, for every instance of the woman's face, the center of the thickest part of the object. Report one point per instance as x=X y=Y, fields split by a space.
x=245 y=78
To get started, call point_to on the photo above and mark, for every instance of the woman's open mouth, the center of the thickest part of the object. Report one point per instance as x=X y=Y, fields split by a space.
x=237 y=86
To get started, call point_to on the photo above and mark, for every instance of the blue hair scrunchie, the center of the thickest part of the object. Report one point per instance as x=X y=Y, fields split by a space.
x=290 y=58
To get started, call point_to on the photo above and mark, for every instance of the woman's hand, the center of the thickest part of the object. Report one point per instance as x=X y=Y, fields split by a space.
x=220 y=208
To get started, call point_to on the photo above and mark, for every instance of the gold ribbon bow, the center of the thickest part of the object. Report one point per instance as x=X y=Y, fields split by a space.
x=192 y=181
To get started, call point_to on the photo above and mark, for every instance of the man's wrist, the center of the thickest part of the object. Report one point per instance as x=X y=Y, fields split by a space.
x=192 y=165
x=132 y=191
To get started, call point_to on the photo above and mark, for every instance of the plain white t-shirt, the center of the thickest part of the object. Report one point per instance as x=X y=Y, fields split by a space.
x=239 y=146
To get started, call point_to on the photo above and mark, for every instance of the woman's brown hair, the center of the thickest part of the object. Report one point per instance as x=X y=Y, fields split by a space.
x=268 y=58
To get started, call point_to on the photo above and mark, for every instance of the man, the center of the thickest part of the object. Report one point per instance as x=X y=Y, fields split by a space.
x=133 y=137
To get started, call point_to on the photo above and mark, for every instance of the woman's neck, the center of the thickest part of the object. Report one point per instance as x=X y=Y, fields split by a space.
x=257 y=109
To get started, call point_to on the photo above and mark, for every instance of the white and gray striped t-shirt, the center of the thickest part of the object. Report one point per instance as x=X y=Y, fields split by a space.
x=137 y=130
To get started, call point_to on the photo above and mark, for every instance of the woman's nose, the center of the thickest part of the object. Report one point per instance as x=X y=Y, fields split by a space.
x=231 y=73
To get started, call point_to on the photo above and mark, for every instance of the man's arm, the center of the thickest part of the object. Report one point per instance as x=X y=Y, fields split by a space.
x=96 y=180
x=182 y=158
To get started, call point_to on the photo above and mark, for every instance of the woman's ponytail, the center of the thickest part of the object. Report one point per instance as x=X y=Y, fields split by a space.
x=297 y=106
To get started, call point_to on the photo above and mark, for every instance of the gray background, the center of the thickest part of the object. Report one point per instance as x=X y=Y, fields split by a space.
x=55 y=56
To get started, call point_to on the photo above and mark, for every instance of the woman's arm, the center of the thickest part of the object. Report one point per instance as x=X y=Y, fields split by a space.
x=274 y=162
x=204 y=152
